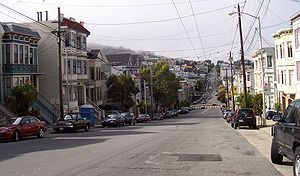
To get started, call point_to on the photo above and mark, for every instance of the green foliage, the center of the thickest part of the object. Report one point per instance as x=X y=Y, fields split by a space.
x=165 y=83
x=120 y=89
x=21 y=99
x=185 y=103
x=221 y=95
x=258 y=104
x=142 y=106
x=278 y=106
x=200 y=85
x=241 y=102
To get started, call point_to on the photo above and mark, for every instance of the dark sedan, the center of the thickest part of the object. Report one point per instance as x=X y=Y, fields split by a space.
x=129 y=118
x=20 y=127
x=113 y=120
x=72 y=122
x=143 y=118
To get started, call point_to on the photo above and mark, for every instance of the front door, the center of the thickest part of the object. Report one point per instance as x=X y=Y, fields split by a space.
x=81 y=99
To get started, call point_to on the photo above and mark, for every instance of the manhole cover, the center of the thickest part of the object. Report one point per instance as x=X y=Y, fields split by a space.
x=199 y=157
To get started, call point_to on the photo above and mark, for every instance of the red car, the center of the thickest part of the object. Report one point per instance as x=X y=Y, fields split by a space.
x=19 y=127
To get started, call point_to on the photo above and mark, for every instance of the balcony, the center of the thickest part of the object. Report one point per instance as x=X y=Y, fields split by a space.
x=14 y=69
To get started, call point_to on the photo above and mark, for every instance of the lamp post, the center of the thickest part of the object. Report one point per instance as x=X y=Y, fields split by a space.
x=261 y=57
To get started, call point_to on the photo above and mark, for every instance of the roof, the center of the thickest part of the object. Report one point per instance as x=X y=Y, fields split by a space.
x=17 y=28
x=75 y=25
x=118 y=59
x=295 y=17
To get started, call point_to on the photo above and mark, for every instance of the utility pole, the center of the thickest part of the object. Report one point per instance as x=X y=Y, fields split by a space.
x=242 y=57
x=232 y=86
x=151 y=93
x=227 y=90
x=145 y=96
x=61 y=105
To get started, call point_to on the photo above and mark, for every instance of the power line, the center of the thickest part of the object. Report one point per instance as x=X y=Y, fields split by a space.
x=112 y=6
x=198 y=31
x=158 y=21
x=184 y=27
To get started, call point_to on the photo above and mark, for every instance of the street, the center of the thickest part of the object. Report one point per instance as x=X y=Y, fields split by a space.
x=199 y=143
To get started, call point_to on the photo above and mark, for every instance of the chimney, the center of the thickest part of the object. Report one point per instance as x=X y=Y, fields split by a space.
x=72 y=19
x=38 y=16
x=46 y=15
x=82 y=23
x=41 y=16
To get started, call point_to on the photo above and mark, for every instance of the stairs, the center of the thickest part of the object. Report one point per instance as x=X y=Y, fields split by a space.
x=47 y=111
x=5 y=114
x=99 y=113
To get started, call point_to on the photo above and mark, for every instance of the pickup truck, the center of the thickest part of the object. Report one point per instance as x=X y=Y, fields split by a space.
x=286 y=136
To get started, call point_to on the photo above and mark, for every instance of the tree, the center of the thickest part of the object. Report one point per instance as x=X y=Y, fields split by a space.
x=241 y=102
x=221 y=95
x=120 y=89
x=165 y=84
x=200 y=85
x=21 y=99
x=258 y=104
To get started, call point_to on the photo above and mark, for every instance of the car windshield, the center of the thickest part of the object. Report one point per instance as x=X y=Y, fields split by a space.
x=244 y=112
x=70 y=117
x=14 y=121
x=125 y=114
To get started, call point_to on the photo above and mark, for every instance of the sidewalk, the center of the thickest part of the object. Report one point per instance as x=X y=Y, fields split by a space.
x=261 y=139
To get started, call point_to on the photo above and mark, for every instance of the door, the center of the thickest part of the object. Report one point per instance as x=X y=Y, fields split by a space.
x=26 y=127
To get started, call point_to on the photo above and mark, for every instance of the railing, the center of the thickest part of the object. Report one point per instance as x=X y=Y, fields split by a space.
x=48 y=112
x=99 y=113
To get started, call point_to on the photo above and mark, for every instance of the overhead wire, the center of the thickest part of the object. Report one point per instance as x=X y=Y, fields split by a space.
x=184 y=27
x=198 y=31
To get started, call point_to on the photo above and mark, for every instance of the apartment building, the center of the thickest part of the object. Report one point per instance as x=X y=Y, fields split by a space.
x=296 y=45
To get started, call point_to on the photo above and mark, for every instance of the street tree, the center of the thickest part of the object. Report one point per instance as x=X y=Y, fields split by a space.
x=258 y=104
x=120 y=89
x=221 y=94
x=200 y=85
x=165 y=84
x=241 y=102
x=21 y=99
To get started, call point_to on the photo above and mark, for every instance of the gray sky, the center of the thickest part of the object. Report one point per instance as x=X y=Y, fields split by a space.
x=157 y=27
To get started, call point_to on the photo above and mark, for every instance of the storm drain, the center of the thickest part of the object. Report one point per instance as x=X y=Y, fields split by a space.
x=198 y=157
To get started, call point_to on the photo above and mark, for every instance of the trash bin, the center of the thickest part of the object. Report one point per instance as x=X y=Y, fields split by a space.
x=87 y=111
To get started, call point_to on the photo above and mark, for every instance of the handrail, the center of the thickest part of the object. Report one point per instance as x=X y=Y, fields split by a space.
x=98 y=111
x=44 y=99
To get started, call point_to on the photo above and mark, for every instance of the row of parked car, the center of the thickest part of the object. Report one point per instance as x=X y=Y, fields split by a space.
x=240 y=117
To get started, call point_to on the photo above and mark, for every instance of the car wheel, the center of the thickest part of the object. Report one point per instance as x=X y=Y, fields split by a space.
x=276 y=157
x=41 y=133
x=232 y=125
x=133 y=122
x=87 y=128
x=16 y=136
x=123 y=123
x=296 y=162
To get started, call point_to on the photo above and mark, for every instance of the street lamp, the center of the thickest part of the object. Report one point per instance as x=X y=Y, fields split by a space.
x=261 y=58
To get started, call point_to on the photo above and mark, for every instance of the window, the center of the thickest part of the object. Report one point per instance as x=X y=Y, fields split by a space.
x=298 y=70
x=278 y=76
x=74 y=66
x=67 y=39
x=16 y=54
x=79 y=70
x=16 y=81
x=284 y=72
x=282 y=77
x=75 y=93
x=73 y=39
x=269 y=61
x=281 y=52
x=83 y=42
x=289 y=114
x=7 y=53
x=98 y=93
x=21 y=54
x=26 y=54
x=248 y=76
x=291 y=74
x=92 y=70
x=297 y=37
x=69 y=67
x=33 y=120
x=31 y=56
x=84 y=67
x=290 y=49
x=276 y=51
x=78 y=43
x=270 y=80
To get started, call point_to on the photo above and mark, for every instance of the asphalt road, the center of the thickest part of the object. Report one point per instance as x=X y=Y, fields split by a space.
x=199 y=143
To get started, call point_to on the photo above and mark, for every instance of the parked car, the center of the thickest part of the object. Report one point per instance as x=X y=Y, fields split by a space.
x=72 y=122
x=202 y=107
x=286 y=136
x=143 y=118
x=129 y=119
x=168 y=114
x=113 y=120
x=175 y=112
x=158 y=116
x=183 y=111
x=19 y=127
x=244 y=117
x=271 y=113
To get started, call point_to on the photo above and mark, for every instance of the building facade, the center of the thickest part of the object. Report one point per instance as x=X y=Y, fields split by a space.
x=264 y=74
x=285 y=67
x=296 y=45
